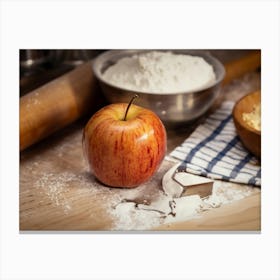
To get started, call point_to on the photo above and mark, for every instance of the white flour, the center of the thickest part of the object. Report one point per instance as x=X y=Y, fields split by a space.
x=160 y=72
x=164 y=209
x=128 y=217
x=56 y=187
x=253 y=118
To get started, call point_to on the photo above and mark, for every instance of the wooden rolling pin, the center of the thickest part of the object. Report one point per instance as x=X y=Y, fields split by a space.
x=57 y=104
x=237 y=68
x=65 y=99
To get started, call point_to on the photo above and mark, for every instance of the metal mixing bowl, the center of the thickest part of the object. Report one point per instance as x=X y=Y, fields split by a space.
x=173 y=108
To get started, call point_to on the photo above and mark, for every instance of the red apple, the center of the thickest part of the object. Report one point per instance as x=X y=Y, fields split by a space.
x=124 y=144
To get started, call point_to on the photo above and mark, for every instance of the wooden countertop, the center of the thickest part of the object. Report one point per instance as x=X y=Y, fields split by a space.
x=58 y=193
x=244 y=214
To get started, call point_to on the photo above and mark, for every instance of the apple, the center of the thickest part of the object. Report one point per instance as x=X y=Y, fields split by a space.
x=124 y=144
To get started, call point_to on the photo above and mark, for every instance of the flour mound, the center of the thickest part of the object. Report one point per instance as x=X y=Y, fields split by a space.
x=161 y=72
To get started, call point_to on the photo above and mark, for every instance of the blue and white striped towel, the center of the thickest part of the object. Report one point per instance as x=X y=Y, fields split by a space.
x=214 y=150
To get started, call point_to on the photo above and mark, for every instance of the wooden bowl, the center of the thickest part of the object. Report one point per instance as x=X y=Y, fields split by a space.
x=250 y=137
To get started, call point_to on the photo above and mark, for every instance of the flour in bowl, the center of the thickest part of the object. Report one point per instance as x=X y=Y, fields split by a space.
x=253 y=118
x=161 y=72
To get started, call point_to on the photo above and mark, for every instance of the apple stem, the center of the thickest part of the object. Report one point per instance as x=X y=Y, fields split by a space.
x=132 y=99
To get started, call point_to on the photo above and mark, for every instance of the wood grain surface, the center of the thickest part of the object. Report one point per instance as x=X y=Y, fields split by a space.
x=57 y=192
x=239 y=215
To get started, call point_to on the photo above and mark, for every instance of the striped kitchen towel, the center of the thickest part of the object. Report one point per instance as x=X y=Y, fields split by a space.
x=214 y=150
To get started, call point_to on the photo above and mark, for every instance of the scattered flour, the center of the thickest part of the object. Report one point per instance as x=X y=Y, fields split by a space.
x=142 y=208
x=134 y=216
x=55 y=187
x=160 y=72
x=224 y=193
x=129 y=215
x=33 y=101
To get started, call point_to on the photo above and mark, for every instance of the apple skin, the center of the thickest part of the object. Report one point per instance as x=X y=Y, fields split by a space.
x=124 y=153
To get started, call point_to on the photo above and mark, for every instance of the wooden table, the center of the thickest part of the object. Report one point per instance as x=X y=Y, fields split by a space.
x=58 y=193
